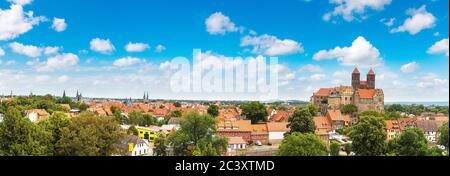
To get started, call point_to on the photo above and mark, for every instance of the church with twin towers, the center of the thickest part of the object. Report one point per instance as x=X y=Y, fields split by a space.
x=363 y=94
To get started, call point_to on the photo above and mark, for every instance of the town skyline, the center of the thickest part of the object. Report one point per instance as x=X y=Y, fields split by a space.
x=118 y=55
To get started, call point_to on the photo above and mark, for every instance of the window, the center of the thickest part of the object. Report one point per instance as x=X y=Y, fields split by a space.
x=140 y=132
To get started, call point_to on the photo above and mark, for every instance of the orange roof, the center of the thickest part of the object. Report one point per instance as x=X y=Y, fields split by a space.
x=336 y=115
x=277 y=127
x=323 y=92
x=392 y=124
x=280 y=116
x=322 y=124
x=371 y=72
x=355 y=71
x=363 y=83
x=366 y=93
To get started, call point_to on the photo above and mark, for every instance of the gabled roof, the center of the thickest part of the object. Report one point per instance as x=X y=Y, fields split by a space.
x=324 y=92
x=336 y=115
x=322 y=124
x=236 y=140
x=427 y=125
x=366 y=93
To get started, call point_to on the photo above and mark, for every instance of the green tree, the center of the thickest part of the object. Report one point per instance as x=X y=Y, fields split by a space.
x=177 y=104
x=117 y=113
x=88 y=135
x=392 y=116
x=255 y=111
x=411 y=142
x=368 y=136
x=197 y=132
x=301 y=121
x=312 y=109
x=443 y=135
x=54 y=125
x=175 y=113
x=213 y=110
x=349 y=109
x=348 y=148
x=160 y=145
x=371 y=113
x=395 y=108
x=335 y=147
x=298 y=144
x=20 y=137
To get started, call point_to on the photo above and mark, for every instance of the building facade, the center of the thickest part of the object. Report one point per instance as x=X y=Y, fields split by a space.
x=362 y=94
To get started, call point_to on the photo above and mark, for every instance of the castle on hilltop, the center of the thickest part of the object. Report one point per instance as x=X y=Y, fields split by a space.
x=362 y=94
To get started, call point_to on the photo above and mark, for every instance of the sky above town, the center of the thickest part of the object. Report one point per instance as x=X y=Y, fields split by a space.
x=119 y=49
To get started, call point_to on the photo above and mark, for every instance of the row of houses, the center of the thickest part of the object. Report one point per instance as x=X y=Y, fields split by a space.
x=429 y=127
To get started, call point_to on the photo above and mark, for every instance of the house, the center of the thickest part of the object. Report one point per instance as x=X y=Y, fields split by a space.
x=392 y=129
x=37 y=115
x=337 y=119
x=148 y=134
x=135 y=146
x=408 y=123
x=235 y=144
x=280 y=116
x=169 y=128
x=276 y=131
x=254 y=133
x=429 y=128
x=323 y=125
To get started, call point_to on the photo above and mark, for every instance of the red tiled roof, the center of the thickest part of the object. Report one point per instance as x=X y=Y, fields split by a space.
x=280 y=116
x=322 y=124
x=366 y=93
x=336 y=115
x=323 y=92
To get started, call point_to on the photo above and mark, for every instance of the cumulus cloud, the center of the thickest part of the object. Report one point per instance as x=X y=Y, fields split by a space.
x=136 y=47
x=271 y=46
x=389 y=22
x=15 y=22
x=420 y=19
x=27 y=50
x=218 y=23
x=103 y=46
x=59 y=24
x=440 y=47
x=33 y=51
x=409 y=67
x=126 y=62
x=160 y=48
x=351 y=9
x=60 y=61
x=362 y=54
x=310 y=68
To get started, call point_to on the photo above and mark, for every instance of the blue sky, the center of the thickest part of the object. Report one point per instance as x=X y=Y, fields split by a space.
x=312 y=39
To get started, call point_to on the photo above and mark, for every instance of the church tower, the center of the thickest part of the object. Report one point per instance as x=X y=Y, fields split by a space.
x=356 y=79
x=371 y=79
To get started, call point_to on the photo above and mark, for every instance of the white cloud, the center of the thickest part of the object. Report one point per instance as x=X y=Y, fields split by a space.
x=102 y=46
x=60 y=61
x=389 y=22
x=42 y=78
x=27 y=50
x=271 y=46
x=160 y=48
x=51 y=50
x=15 y=22
x=420 y=19
x=440 y=47
x=20 y=2
x=409 y=67
x=63 y=79
x=136 y=47
x=2 y=52
x=218 y=23
x=317 y=77
x=59 y=24
x=362 y=54
x=431 y=81
x=164 y=65
x=348 y=9
x=126 y=62
x=310 y=68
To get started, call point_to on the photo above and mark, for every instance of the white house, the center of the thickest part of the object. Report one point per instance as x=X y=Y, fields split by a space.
x=36 y=115
x=135 y=146
x=236 y=143
x=276 y=131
